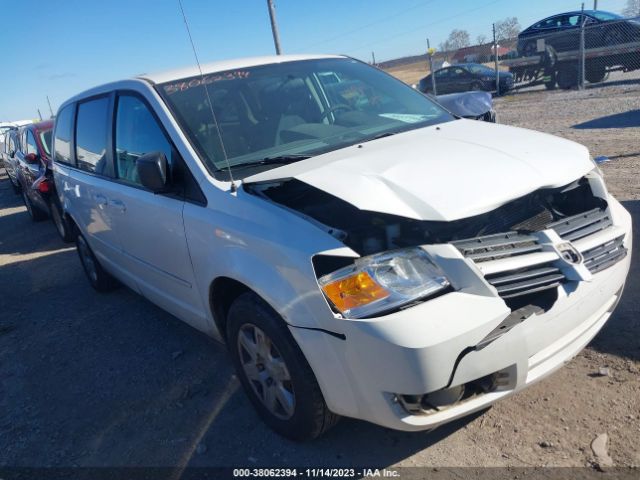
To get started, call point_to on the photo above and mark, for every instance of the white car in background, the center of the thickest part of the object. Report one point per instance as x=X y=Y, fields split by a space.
x=361 y=251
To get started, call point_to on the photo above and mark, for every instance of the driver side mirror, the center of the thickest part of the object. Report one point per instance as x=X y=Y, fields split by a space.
x=152 y=171
x=31 y=158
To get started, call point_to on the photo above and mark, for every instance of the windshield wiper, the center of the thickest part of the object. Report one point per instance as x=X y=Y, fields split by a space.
x=376 y=137
x=278 y=159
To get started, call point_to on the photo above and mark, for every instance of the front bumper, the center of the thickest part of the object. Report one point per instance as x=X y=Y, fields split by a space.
x=416 y=351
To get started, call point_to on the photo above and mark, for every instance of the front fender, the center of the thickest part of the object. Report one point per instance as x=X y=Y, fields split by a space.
x=264 y=247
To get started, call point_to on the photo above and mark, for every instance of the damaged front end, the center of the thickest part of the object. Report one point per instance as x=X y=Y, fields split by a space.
x=523 y=249
x=530 y=254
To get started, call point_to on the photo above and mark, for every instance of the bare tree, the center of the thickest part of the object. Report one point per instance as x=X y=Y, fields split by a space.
x=507 y=29
x=458 y=39
x=632 y=9
x=481 y=39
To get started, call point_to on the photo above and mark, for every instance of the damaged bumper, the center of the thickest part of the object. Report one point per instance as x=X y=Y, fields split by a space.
x=388 y=369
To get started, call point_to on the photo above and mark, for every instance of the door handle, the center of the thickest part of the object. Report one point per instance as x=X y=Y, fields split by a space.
x=119 y=205
x=101 y=199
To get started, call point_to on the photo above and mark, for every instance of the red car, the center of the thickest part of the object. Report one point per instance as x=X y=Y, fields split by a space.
x=35 y=176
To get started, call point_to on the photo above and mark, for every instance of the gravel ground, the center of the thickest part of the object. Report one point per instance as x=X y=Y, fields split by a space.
x=111 y=380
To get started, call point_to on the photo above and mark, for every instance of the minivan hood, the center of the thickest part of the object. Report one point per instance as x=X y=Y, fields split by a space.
x=446 y=172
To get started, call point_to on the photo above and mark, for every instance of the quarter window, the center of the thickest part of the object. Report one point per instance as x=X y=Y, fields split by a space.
x=31 y=143
x=91 y=135
x=62 y=137
x=137 y=133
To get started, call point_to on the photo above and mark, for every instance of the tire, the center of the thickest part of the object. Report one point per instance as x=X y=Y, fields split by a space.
x=34 y=212
x=567 y=77
x=275 y=368
x=595 y=73
x=98 y=277
x=62 y=224
x=16 y=188
x=14 y=183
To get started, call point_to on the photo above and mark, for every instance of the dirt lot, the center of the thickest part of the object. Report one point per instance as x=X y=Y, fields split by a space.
x=111 y=380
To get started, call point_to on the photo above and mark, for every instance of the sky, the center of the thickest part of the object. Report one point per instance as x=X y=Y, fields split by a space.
x=62 y=47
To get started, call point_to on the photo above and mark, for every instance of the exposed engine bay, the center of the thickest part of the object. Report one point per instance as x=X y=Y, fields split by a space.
x=368 y=232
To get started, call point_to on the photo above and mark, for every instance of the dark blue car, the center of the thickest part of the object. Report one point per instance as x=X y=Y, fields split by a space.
x=562 y=32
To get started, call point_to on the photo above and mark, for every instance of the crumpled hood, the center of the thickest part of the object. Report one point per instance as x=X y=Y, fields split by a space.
x=446 y=172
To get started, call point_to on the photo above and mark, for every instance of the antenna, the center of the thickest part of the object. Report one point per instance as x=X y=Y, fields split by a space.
x=49 y=102
x=206 y=89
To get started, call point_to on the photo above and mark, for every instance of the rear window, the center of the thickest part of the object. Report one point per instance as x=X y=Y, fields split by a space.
x=91 y=135
x=62 y=137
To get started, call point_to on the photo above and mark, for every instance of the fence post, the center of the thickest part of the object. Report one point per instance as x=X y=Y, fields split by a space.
x=433 y=74
x=495 y=56
x=582 y=52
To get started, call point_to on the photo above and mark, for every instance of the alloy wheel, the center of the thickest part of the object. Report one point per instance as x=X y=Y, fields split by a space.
x=266 y=371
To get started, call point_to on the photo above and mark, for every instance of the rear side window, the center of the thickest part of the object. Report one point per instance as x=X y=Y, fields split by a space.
x=137 y=133
x=64 y=123
x=91 y=135
x=32 y=147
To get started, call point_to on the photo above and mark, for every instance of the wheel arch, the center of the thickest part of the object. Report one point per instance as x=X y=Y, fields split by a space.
x=222 y=293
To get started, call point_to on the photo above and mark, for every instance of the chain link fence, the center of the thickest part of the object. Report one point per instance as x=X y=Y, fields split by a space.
x=573 y=50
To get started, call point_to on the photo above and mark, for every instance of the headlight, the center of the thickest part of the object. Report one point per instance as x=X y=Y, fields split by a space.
x=382 y=282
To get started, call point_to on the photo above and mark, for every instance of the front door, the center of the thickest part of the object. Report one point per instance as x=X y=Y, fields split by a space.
x=150 y=226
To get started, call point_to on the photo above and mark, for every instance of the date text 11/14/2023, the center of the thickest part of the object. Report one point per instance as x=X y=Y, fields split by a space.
x=315 y=473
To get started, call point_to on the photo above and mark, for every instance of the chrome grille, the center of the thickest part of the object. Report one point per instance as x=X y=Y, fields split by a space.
x=605 y=255
x=494 y=247
x=525 y=281
x=582 y=225
x=518 y=267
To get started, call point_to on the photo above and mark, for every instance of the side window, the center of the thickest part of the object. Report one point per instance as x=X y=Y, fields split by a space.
x=31 y=146
x=442 y=74
x=62 y=137
x=573 y=20
x=91 y=135
x=137 y=133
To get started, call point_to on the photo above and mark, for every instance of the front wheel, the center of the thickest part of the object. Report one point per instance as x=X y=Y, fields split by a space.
x=274 y=372
x=34 y=212
x=14 y=183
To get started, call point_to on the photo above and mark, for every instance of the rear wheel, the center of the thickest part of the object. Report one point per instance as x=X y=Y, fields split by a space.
x=34 y=212
x=567 y=77
x=274 y=372
x=63 y=226
x=595 y=73
x=98 y=277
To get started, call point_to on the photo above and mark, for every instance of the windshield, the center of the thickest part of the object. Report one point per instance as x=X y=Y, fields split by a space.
x=45 y=139
x=606 y=16
x=481 y=70
x=291 y=111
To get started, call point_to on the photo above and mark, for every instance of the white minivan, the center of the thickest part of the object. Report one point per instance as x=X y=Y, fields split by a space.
x=362 y=251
